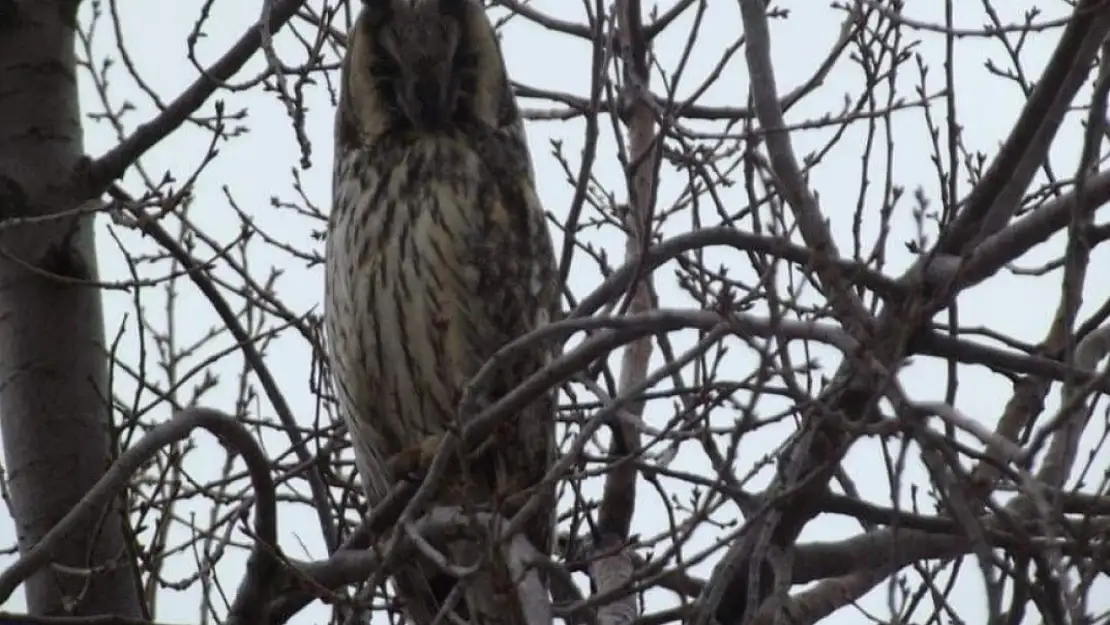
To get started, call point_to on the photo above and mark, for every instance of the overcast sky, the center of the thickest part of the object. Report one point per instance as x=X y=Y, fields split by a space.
x=258 y=166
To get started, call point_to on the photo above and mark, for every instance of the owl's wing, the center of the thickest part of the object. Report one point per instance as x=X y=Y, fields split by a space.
x=525 y=300
x=519 y=293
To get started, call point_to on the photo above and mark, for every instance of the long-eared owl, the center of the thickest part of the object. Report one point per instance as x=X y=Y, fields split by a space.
x=438 y=255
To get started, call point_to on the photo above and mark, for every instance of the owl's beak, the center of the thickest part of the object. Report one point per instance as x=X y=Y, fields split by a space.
x=432 y=103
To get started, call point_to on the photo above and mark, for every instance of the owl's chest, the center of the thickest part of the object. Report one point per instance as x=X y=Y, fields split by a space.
x=434 y=219
x=455 y=212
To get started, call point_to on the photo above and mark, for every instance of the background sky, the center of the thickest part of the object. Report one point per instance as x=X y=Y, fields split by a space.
x=258 y=166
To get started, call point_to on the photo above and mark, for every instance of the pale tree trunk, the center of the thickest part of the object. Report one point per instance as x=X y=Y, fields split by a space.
x=54 y=416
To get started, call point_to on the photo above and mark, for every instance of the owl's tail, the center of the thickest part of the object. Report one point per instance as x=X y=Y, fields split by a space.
x=490 y=596
x=423 y=590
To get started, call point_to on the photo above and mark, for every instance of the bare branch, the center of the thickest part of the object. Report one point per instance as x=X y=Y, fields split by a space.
x=106 y=169
x=848 y=308
x=227 y=430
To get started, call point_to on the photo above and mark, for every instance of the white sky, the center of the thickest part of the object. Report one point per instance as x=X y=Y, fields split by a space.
x=257 y=166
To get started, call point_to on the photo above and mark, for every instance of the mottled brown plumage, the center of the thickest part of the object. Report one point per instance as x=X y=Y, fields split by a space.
x=437 y=255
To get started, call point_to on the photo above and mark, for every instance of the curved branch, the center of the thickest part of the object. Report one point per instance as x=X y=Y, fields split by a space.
x=253 y=358
x=625 y=330
x=231 y=434
x=352 y=565
x=855 y=272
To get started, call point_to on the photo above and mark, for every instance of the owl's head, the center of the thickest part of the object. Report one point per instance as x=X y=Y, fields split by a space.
x=424 y=65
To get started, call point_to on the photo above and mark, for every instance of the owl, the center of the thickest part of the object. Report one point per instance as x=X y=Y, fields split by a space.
x=437 y=255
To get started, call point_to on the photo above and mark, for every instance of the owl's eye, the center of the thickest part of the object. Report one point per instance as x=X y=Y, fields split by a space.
x=385 y=73
x=465 y=72
x=384 y=70
x=377 y=10
x=465 y=61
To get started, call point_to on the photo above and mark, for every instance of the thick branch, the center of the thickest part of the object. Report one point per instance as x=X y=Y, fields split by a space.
x=996 y=196
x=847 y=307
x=619 y=500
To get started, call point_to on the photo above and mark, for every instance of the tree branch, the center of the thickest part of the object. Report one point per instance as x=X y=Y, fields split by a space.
x=231 y=434
x=103 y=171
x=996 y=196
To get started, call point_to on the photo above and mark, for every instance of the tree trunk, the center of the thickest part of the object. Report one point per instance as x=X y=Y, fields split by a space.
x=54 y=410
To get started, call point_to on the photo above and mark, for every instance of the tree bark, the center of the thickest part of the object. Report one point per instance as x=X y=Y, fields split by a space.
x=54 y=395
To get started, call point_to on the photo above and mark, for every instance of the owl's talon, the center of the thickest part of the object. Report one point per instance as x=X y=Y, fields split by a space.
x=513 y=494
x=428 y=448
x=414 y=461
x=405 y=464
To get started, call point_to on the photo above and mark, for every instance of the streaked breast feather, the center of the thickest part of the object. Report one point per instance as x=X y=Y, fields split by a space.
x=398 y=258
